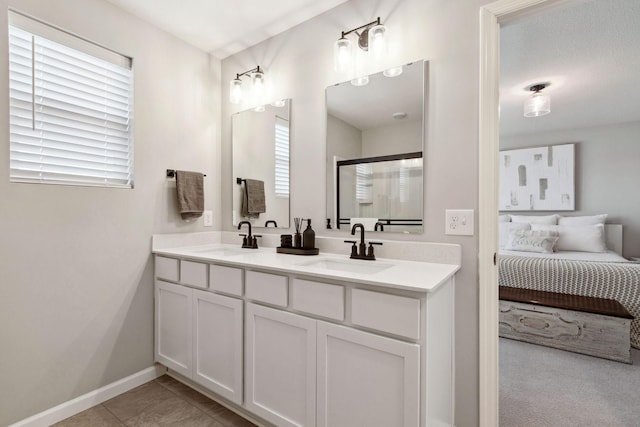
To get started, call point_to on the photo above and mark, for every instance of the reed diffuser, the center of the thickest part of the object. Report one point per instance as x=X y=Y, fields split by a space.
x=297 y=238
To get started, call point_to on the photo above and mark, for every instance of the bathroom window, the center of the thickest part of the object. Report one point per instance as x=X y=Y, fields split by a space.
x=70 y=108
x=282 y=158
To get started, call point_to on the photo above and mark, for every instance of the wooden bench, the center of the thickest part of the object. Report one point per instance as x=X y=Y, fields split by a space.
x=595 y=326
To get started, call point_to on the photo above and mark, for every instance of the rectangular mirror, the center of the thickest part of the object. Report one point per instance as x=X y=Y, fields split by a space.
x=375 y=143
x=260 y=152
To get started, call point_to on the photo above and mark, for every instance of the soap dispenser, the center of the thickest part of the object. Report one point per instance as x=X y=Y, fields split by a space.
x=309 y=237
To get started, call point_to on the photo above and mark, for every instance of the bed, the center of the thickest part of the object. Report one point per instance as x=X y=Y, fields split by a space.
x=596 y=274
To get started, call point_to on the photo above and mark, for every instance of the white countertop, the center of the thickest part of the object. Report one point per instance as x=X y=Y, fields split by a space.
x=391 y=273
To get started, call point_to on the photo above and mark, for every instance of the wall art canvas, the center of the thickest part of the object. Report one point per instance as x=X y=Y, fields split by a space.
x=537 y=179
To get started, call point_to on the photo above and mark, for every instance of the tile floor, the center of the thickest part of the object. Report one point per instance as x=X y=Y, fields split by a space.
x=161 y=402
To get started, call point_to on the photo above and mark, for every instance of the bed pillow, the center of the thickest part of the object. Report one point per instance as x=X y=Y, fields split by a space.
x=577 y=221
x=586 y=238
x=504 y=228
x=536 y=219
x=541 y=241
x=504 y=218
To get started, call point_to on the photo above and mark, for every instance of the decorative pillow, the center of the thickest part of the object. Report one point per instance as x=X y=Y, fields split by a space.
x=504 y=228
x=576 y=221
x=532 y=241
x=536 y=219
x=504 y=218
x=587 y=238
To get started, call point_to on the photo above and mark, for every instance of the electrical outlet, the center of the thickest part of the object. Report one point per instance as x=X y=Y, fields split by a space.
x=459 y=222
x=207 y=217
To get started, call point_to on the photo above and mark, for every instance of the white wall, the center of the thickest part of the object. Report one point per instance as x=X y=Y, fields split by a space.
x=298 y=63
x=402 y=137
x=76 y=289
x=606 y=172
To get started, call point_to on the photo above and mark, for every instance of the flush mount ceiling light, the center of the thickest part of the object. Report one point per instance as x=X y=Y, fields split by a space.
x=235 y=86
x=393 y=72
x=371 y=38
x=538 y=103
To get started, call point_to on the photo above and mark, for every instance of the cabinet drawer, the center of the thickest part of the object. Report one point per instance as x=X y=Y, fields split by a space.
x=265 y=287
x=387 y=313
x=193 y=274
x=318 y=298
x=167 y=268
x=225 y=279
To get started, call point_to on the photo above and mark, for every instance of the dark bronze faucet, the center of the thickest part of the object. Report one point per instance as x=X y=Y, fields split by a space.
x=379 y=224
x=361 y=252
x=248 y=241
x=266 y=224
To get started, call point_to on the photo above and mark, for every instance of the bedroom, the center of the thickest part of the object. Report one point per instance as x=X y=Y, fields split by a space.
x=587 y=64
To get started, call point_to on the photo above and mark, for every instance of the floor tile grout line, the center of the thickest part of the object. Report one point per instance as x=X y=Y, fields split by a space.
x=188 y=402
x=109 y=411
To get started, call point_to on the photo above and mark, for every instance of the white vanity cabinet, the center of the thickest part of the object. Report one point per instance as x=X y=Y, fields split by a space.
x=297 y=349
x=366 y=379
x=280 y=366
x=173 y=319
x=217 y=344
x=199 y=334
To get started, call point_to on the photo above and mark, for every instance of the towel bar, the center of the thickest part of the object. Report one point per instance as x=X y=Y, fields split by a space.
x=171 y=173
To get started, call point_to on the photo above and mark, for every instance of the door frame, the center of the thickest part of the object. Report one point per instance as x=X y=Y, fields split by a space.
x=491 y=16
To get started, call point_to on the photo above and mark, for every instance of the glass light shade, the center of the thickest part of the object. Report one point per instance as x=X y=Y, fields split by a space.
x=235 y=91
x=279 y=103
x=258 y=82
x=259 y=109
x=536 y=105
x=342 y=51
x=377 y=40
x=360 y=81
x=392 y=72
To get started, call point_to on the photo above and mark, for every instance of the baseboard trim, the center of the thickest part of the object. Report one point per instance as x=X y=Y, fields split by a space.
x=93 y=398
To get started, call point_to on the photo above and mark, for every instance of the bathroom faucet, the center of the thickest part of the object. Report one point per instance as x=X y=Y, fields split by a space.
x=266 y=224
x=379 y=224
x=248 y=241
x=361 y=252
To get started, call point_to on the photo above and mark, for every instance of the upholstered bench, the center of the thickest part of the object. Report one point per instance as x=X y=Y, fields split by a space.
x=595 y=326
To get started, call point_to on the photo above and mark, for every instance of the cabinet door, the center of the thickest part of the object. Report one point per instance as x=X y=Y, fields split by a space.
x=173 y=345
x=217 y=344
x=365 y=379
x=280 y=377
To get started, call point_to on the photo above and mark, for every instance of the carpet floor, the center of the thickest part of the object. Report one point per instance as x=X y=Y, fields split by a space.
x=542 y=386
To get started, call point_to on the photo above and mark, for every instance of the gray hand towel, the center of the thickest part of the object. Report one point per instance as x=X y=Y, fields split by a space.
x=190 y=189
x=253 y=203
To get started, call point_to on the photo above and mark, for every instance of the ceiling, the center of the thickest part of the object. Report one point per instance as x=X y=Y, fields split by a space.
x=373 y=105
x=225 y=27
x=590 y=53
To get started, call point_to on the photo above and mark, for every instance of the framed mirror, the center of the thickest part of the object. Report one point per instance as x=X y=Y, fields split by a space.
x=375 y=143
x=260 y=152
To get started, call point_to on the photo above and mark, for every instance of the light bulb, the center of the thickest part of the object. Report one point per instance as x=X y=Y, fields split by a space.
x=392 y=72
x=360 y=81
x=258 y=82
x=538 y=104
x=342 y=55
x=377 y=39
x=235 y=91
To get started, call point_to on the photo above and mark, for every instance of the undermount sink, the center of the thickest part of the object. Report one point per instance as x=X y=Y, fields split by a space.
x=350 y=266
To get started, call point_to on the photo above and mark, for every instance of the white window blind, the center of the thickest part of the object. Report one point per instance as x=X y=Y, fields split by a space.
x=70 y=111
x=364 y=183
x=282 y=158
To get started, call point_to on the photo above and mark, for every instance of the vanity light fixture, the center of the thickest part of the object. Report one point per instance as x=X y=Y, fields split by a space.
x=235 y=86
x=279 y=103
x=360 y=81
x=538 y=103
x=370 y=38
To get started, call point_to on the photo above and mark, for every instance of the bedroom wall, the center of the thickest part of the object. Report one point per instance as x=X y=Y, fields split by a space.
x=606 y=174
x=76 y=288
x=299 y=65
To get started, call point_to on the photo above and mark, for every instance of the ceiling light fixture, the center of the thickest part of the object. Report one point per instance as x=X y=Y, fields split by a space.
x=235 y=86
x=538 y=103
x=370 y=38
x=393 y=72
